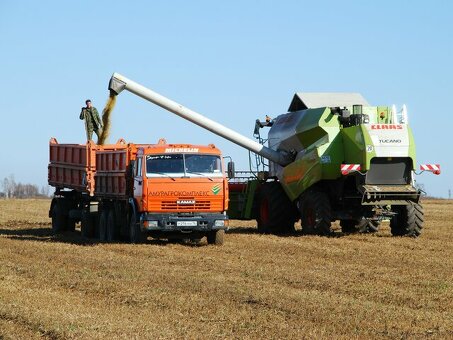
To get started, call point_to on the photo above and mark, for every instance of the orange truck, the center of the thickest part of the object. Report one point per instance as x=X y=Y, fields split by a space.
x=128 y=191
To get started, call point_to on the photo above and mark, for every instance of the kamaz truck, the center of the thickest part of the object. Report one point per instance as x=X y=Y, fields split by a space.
x=331 y=156
x=128 y=191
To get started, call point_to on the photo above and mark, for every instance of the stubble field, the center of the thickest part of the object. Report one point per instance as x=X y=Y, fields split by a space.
x=255 y=286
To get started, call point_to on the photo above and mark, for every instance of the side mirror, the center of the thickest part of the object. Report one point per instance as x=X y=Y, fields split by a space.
x=231 y=171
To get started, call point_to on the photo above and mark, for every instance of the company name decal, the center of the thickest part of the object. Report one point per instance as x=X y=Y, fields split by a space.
x=185 y=202
x=173 y=150
x=386 y=127
x=389 y=141
x=178 y=193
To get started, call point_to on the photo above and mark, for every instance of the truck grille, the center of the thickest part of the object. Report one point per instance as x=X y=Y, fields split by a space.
x=198 y=205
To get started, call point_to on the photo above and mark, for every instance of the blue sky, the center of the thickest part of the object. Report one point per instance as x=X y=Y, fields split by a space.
x=233 y=61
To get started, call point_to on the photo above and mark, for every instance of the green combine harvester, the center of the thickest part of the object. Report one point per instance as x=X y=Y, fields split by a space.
x=331 y=157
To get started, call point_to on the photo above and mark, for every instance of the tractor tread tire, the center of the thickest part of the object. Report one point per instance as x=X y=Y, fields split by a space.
x=316 y=213
x=281 y=213
x=408 y=221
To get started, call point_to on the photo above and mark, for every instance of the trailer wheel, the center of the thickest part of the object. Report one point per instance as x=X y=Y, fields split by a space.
x=316 y=214
x=103 y=225
x=59 y=220
x=276 y=213
x=87 y=225
x=135 y=233
x=70 y=224
x=112 y=232
x=408 y=220
x=216 y=237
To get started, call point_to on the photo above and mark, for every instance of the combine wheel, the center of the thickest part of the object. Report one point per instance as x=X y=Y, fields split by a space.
x=216 y=237
x=408 y=221
x=316 y=214
x=276 y=213
x=103 y=224
x=348 y=226
x=87 y=225
x=135 y=233
x=112 y=232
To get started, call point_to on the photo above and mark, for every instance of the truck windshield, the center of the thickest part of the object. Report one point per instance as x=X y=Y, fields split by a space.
x=184 y=164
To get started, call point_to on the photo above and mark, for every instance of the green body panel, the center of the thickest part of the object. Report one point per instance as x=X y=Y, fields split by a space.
x=241 y=202
x=356 y=139
x=322 y=145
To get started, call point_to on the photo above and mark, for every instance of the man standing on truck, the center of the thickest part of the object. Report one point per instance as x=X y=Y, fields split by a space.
x=92 y=121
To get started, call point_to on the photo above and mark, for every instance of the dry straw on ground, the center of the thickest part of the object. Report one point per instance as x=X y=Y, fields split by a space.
x=255 y=286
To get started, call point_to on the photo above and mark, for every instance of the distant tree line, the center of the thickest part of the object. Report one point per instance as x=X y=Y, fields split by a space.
x=13 y=189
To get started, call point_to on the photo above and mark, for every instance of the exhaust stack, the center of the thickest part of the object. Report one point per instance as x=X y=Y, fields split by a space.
x=119 y=83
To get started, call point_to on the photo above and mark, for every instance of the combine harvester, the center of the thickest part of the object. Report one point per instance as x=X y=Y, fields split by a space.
x=331 y=157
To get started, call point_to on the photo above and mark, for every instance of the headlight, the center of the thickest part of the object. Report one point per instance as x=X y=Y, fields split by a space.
x=151 y=224
x=219 y=223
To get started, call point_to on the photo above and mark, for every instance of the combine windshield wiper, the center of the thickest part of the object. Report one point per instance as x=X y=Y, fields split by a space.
x=162 y=173
x=199 y=173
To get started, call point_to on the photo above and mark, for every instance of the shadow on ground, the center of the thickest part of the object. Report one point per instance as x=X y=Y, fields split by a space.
x=45 y=234
x=297 y=233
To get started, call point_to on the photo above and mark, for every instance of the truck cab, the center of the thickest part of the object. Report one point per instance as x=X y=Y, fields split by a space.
x=180 y=189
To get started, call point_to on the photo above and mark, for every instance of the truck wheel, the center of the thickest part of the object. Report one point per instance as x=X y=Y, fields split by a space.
x=103 y=225
x=408 y=220
x=135 y=233
x=58 y=218
x=216 y=237
x=70 y=224
x=112 y=232
x=87 y=225
x=316 y=214
x=276 y=213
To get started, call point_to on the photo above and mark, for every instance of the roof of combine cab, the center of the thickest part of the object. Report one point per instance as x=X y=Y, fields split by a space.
x=311 y=100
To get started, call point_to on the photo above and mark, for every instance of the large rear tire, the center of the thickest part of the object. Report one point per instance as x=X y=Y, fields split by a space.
x=408 y=220
x=276 y=213
x=216 y=237
x=103 y=225
x=316 y=213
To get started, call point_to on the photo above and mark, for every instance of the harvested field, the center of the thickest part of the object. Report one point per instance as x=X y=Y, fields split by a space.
x=255 y=286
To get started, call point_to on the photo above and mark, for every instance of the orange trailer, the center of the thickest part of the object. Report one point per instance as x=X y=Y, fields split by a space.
x=131 y=191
